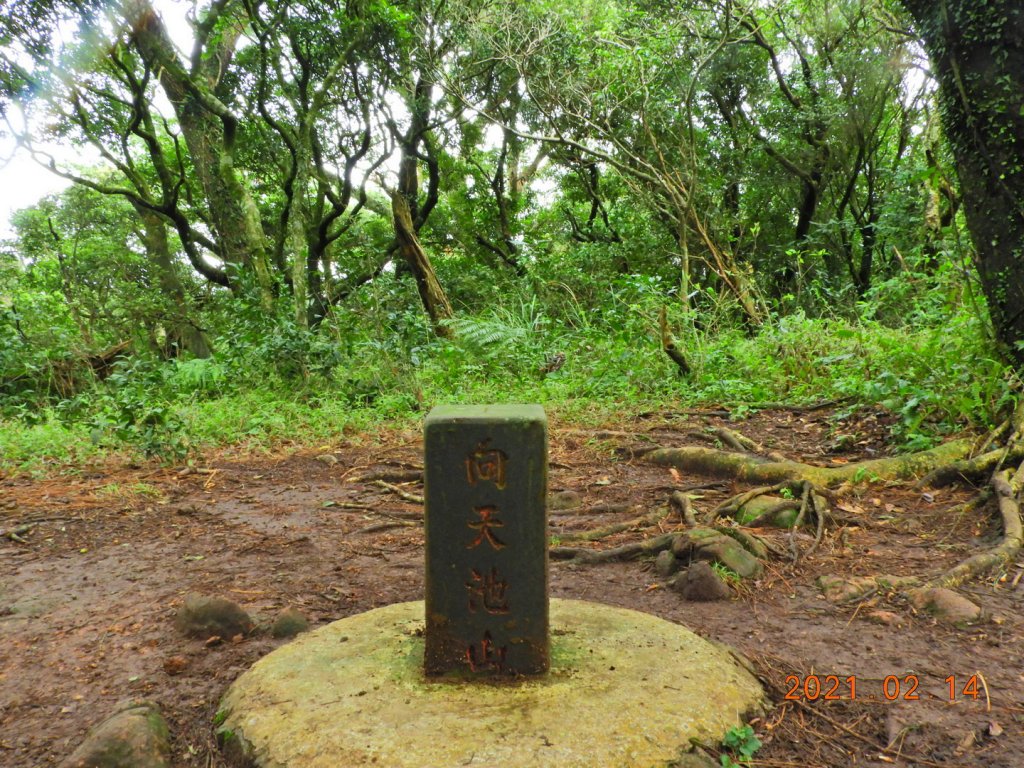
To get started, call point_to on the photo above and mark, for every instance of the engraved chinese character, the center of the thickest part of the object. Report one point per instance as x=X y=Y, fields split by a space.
x=487 y=656
x=485 y=524
x=486 y=464
x=487 y=590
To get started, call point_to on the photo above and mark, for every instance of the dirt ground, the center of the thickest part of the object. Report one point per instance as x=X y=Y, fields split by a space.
x=87 y=601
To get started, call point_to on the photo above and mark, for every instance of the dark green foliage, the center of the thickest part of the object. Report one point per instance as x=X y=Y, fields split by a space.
x=775 y=183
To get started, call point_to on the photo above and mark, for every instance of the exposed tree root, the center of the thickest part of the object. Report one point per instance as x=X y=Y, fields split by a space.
x=625 y=552
x=735 y=440
x=403 y=495
x=390 y=476
x=610 y=530
x=681 y=502
x=769 y=515
x=974 y=468
x=812 y=489
x=730 y=507
x=385 y=526
x=813 y=504
x=749 y=468
x=1007 y=486
x=597 y=509
x=17 y=532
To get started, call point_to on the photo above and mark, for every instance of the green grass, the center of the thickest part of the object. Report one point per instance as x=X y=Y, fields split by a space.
x=938 y=378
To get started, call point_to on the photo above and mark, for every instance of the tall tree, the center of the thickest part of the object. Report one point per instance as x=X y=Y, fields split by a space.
x=977 y=52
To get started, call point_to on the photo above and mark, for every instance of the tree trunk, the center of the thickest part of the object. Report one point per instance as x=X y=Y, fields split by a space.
x=209 y=129
x=977 y=52
x=434 y=299
x=296 y=241
x=181 y=333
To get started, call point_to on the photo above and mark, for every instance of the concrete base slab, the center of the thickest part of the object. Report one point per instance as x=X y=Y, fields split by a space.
x=626 y=689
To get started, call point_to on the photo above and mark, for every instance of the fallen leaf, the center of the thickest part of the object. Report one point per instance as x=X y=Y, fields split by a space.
x=174 y=665
x=603 y=481
x=675 y=474
x=212 y=641
x=995 y=729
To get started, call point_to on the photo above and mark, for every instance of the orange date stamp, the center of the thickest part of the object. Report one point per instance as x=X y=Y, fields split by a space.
x=891 y=688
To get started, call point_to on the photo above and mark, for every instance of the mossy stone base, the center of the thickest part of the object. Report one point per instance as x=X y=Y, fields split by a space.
x=625 y=690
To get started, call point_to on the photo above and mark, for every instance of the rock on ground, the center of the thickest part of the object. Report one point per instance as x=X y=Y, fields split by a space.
x=135 y=736
x=288 y=623
x=708 y=544
x=700 y=583
x=945 y=605
x=665 y=564
x=204 y=617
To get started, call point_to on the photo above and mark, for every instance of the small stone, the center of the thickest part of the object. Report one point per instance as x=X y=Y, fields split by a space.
x=701 y=584
x=288 y=623
x=945 y=605
x=883 y=617
x=175 y=665
x=665 y=564
x=564 y=500
x=205 y=617
x=135 y=736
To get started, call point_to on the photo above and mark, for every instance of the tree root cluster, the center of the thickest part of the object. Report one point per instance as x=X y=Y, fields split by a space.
x=804 y=495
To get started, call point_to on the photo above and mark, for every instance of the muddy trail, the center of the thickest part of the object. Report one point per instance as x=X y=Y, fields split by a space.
x=88 y=595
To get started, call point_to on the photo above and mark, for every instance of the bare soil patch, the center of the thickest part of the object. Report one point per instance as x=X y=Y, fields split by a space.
x=87 y=602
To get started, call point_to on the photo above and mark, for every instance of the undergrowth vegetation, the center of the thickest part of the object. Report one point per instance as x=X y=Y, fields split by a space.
x=914 y=346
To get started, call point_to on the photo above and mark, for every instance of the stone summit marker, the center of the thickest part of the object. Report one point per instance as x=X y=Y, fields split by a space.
x=478 y=683
x=485 y=474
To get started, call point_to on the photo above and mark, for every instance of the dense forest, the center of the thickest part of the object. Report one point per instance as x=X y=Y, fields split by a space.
x=288 y=217
x=760 y=261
